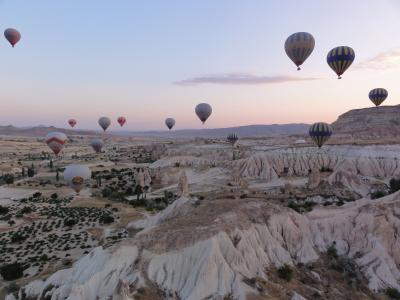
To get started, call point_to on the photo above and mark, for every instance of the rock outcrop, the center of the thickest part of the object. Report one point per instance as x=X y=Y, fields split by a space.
x=214 y=247
x=372 y=122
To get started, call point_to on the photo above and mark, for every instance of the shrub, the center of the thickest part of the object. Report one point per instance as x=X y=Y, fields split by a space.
x=70 y=222
x=392 y=293
x=394 y=185
x=332 y=251
x=378 y=194
x=106 y=192
x=285 y=272
x=13 y=288
x=12 y=271
x=25 y=210
x=8 y=178
x=106 y=219
x=17 y=237
x=4 y=210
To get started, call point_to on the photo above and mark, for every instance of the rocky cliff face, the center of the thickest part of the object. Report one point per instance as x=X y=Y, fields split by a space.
x=373 y=122
x=230 y=248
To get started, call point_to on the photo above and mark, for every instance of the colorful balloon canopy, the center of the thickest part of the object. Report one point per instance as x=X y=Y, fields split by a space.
x=320 y=132
x=72 y=122
x=76 y=175
x=170 y=122
x=203 y=111
x=232 y=138
x=12 y=35
x=340 y=59
x=299 y=47
x=56 y=141
x=97 y=145
x=121 y=121
x=104 y=122
x=377 y=96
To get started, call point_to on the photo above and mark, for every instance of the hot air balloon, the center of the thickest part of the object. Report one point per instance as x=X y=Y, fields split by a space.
x=104 y=122
x=121 y=121
x=72 y=122
x=299 y=46
x=56 y=141
x=203 y=111
x=340 y=59
x=232 y=138
x=320 y=133
x=170 y=122
x=12 y=35
x=377 y=96
x=97 y=145
x=76 y=175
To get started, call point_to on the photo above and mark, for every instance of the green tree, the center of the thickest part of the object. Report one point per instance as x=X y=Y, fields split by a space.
x=285 y=272
x=8 y=178
x=12 y=271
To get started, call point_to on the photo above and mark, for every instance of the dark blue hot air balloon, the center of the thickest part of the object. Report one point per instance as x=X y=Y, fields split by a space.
x=377 y=96
x=340 y=59
x=320 y=132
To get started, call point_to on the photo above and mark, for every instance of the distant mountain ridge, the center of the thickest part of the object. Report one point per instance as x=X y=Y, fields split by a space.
x=39 y=131
x=241 y=131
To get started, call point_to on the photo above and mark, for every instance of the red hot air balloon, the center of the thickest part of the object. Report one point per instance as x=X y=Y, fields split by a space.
x=72 y=122
x=12 y=35
x=121 y=121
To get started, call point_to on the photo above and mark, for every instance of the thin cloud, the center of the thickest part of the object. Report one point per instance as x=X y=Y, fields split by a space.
x=241 y=79
x=383 y=61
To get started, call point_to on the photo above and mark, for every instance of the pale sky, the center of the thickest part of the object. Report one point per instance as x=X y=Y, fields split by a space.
x=148 y=60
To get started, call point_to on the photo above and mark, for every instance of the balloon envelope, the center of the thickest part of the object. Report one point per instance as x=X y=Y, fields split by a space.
x=320 y=132
x=121 y=121
x=170 y=122
x=104 y=122
x=340 y=59
x=76 y=175
x=97 y=145
x=299 y=46
x=56 y=141
x=72 y=122
x=203 y=111
x=12 y=35
x=377 y=96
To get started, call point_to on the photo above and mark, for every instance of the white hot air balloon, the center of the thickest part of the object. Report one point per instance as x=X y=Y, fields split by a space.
x=97 y=145
x=76 y=175
x=104 y=122
x=203 y=111
x=56 y=141
x=170 y=122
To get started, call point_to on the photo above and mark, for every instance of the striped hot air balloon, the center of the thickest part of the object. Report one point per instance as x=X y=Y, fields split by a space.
x=340 y=59
x=377 y=96
x=56 y=141
x=320 y=132
x=299 y=46
x=97 y=145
